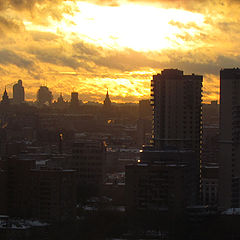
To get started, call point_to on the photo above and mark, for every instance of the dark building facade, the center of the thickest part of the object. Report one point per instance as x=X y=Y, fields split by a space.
x=53 y=194
x=210 y=185
x=177 y=114
x=177 y=123
x=18 y=186
x=3 y=190
x=18 y=92
x=157 y=188
x=171 y=157
x=88 y=158
x=44 y=194
x=229 y=143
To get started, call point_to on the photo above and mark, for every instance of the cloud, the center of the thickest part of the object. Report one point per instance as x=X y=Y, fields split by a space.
x=121 y=60
x=9 y=57
x=90 y=58
x=199 y=61
x=43 y=56
x=43 y=36
x=22 y=5
x=8 y=24
x=57 y=56
x=126 y=60
x=85 y=49
x=110 y=3
x=190 y=5
x=184 y=25
x=37 y=11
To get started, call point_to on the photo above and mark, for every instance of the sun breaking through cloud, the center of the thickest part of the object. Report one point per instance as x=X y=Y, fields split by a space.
x=93 y=45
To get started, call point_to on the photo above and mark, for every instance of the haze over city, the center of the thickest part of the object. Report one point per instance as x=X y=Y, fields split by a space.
x=89 y=46
x=119 y=119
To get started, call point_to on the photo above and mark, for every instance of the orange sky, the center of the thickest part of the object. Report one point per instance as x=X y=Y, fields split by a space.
x=89 y=46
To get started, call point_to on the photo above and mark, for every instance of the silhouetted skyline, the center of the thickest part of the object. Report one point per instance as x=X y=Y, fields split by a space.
x=87 y=46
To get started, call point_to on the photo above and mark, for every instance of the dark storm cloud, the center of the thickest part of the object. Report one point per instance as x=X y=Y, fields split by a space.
x=8 y=57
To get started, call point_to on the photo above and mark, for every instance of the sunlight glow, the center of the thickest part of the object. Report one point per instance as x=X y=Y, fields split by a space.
x=130 y=26
x=142 y=28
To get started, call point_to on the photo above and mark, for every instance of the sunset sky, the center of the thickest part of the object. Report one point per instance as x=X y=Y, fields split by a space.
x=89 y=46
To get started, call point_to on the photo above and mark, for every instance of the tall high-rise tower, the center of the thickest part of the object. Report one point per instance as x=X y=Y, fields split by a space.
x=18 y=92
x=177 y=123
x=229 y=142
x=177 y=110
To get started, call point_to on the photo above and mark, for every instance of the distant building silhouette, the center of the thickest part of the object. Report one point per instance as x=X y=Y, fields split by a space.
x=74 y=100
x=18 y=92
x=229 y=142
x=44 y=95
x=107 y=102
x=210 y=113
x=144 y=123
x=60 y=99
x=5 y=98
x=145 y=109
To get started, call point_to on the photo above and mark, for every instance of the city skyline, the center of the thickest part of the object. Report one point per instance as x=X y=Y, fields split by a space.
x=88 y=46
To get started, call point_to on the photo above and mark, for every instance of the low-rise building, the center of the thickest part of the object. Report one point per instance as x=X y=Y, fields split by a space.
x=53 y=194
x=156 y=187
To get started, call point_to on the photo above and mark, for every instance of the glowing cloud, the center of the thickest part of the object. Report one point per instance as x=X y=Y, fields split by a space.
x=94 y=44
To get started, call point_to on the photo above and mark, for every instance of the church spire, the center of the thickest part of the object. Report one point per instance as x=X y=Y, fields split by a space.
x=107 y=101
x=5 y=98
